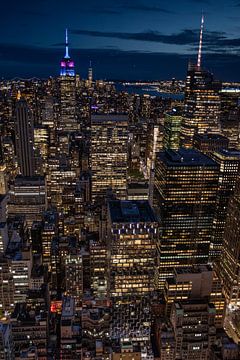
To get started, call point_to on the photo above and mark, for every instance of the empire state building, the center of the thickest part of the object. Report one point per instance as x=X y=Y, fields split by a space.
x=67 y=83
x=67 y=64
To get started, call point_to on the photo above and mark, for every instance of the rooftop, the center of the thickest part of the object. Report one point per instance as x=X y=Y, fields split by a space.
x=109 y=117
x=228 y=153
x=207 y=136
x=185 y=157
x=131 y=211
x=193 y=269
x=29 y=180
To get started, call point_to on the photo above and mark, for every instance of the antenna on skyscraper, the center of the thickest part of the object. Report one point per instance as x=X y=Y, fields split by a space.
x=200 y=44
x=66 y=44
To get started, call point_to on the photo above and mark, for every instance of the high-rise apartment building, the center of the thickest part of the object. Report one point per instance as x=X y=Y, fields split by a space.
x=229 y=162
x=70 y=341
x=7 y=288
x=74 y=277
x=24 y=138
x=27 y=197
x=133 y=232
x=230 y=116
x=229 y=264
x=49 y=232
x=109 y=154
x=194 y=329
x=195 y=282
x=98 y=267
x=186 y=183
x=30 y=329
x=172 y=129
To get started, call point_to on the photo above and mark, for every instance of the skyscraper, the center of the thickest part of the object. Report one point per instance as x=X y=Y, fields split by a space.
x=229 y=264
x=109 y=135
x=90 y=74
x=133 y=231
x=202 y=101
x=67 y=64
x=230 y=119
x=27 y=196
x=24 y=138
x=194 y=329
x=229 y=162
x=67 y=82
x=186 y=183
x=172 y=128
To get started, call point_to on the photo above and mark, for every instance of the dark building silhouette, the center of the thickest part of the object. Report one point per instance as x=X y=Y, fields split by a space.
x=24 y=138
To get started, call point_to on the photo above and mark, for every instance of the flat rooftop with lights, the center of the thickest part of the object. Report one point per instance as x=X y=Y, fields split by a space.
x=185 y=157
x=131 y=211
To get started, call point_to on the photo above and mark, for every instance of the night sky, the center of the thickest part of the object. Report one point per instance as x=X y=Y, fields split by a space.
x=125 y=39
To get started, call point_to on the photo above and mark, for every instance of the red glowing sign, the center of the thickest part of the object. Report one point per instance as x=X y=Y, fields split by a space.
x=56 y=306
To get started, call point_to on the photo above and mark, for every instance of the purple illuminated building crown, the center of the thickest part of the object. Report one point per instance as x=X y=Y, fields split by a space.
x=67 y=64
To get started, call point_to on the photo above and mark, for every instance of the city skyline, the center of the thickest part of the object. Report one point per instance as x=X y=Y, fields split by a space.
x=120 y=199
x=151 y=40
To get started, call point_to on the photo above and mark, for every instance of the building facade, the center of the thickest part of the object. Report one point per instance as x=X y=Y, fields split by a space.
x=109 y=136
x=186 y=184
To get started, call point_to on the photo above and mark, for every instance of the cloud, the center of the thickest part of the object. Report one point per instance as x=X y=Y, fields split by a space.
x=185 y=37
x=213 y=40
x=116 y=9
x=148 y=8
x=27 y=61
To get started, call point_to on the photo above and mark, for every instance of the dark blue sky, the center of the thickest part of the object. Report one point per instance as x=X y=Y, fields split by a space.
x=125 y=39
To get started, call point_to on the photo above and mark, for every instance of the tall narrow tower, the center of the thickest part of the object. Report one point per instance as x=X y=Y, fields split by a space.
x=90 y=74
x=68 y=119
x=202 y=100
x=24 y=138
x=200 y=44
x=67 y=64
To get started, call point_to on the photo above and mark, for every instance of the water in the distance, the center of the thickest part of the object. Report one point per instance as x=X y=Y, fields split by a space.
x=147 y=89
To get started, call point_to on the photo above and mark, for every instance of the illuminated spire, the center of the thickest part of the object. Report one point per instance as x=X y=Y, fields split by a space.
x=67 y=64
x=66 y=45
x=200 y=44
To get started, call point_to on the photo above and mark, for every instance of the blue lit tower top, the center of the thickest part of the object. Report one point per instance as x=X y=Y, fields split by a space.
x=67 y=64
